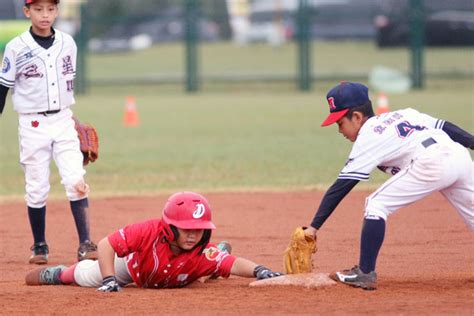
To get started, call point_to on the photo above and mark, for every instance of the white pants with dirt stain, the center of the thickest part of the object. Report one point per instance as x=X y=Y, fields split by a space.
x=45 y=138
x=446 y=167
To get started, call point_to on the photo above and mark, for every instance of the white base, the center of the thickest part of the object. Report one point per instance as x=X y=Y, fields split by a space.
x=307 y=280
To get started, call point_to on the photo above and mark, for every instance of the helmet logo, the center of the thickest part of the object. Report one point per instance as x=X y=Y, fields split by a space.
x=199 y=212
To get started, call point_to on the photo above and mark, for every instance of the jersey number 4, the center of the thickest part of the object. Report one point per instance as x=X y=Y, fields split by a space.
x=405 y=129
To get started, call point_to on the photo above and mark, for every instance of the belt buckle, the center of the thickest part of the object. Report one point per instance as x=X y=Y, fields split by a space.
x=46 y=113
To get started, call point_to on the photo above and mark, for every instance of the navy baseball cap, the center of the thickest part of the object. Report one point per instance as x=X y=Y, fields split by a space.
x=32 y=1
x=342 y=97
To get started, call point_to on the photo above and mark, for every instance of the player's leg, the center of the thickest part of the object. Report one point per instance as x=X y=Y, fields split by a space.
x=428 y=173
x=68 y=158
x=35 y=158
x=85 y=273
x=461 y=192
x=400 y=190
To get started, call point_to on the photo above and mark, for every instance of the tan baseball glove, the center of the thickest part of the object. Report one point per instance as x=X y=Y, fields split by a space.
x=89 y=141
x=297 y=256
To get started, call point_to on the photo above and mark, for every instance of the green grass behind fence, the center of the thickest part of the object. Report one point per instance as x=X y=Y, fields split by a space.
x=227 y=60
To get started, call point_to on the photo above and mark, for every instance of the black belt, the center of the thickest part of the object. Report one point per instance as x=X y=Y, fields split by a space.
x=428 y=142
x=49 y=112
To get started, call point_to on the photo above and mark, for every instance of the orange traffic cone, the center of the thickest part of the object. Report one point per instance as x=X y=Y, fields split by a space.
x=130 y=117
x=382 y=104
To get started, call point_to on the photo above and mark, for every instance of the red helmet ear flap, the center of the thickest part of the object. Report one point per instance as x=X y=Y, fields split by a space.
x=206 y=237
x=169 y=235
x=175 y=232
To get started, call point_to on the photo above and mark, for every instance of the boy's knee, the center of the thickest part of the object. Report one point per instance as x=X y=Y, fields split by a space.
x=36 y=195
x=374 y=210
x=77 y=190
x=87 y=273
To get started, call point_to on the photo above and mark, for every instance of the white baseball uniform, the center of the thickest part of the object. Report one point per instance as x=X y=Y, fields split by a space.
x=423 y=159
x=42 y=81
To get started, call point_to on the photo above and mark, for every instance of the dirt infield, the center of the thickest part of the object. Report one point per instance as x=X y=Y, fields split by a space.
x=425 y=267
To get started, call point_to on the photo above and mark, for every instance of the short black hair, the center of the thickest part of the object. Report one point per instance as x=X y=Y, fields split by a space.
x=366 y=109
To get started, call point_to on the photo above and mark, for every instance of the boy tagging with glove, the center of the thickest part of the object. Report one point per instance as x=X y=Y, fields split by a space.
x=170 y=252
x=423 y=154
x=40 y=65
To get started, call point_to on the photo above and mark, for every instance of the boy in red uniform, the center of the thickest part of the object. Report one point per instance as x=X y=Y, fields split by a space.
x=160 y=253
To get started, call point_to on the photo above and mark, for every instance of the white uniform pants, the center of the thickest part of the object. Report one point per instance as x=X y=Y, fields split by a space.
x=445 y=166
x=87 y=273
x=41 y=139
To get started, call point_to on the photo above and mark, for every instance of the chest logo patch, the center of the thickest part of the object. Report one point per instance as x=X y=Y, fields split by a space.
x=6 y=65
x=200 y=210
x=35 y=124
x=32 y=72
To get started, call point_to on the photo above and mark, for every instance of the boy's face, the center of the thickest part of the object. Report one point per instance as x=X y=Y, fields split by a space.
x=350 y=127
x=42 y=14
x=189 y=238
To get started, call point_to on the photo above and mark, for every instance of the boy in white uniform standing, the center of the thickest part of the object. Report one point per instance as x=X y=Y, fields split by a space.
x=39 y=65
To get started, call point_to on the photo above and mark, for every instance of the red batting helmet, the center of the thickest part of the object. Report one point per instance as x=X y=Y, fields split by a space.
x=32 y=1
x=188 y=210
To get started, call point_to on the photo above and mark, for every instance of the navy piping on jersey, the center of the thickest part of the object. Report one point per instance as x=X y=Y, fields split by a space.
x=57 y=70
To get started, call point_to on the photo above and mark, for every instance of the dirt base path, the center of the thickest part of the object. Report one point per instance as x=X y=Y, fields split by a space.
x=426 y=264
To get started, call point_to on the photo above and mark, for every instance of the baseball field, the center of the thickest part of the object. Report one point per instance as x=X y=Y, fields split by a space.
x=263 y=161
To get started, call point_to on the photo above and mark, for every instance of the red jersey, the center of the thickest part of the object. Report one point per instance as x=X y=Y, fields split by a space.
x=152 y=264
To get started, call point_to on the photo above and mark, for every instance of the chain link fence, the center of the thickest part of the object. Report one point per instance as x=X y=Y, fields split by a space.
x=293 y=44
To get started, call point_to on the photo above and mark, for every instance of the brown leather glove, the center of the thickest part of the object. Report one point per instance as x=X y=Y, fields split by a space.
x=297 y=256
x=89 y=141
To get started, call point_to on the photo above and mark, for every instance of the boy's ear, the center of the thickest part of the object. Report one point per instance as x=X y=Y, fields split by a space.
x=358 y=116
x=26 y=11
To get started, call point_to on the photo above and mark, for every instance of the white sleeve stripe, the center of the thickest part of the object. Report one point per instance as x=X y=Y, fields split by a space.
x=439 y=124
x=353 y=175
x=7 y=83
x=347 y=177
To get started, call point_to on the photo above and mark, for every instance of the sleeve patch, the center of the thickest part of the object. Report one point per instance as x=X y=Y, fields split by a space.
x=213 y=253
x=6 y=65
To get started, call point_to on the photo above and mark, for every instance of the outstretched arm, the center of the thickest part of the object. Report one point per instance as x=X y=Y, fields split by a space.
x=331 y=199
x=106 y=258
x=107 y=268
x=459 y=135
x=243 y=267
x=246 y=268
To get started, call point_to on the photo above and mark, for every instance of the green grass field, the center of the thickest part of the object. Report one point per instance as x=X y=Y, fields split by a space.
x=333 y=59
x=233 y=139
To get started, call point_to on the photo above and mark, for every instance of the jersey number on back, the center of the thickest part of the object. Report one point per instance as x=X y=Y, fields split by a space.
x=405 y=129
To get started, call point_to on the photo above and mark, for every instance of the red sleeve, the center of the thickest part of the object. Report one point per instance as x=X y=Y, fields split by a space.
x=225 y=266
x=214 y=261
x=132 y=237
